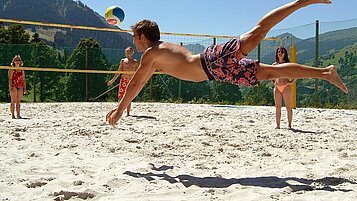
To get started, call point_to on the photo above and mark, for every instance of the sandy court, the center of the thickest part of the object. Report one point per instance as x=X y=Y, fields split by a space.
x=175 y=152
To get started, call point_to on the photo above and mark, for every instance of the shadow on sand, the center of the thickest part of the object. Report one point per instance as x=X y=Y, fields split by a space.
x=303 y=131
x=22 y=118
x=143 y=117
x=300 y=184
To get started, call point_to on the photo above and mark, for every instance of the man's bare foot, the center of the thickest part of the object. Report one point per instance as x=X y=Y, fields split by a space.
x=315 y=1
x=335 y=79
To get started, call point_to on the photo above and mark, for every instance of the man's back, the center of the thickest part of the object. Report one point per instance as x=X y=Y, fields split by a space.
x=177 y=61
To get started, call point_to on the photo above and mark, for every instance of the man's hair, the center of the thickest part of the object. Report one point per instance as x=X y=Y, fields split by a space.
x=147 y=27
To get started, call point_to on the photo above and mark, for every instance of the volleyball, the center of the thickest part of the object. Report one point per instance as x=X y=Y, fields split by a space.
x=114 y=15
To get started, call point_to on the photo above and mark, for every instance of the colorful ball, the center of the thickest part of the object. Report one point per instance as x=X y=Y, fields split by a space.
x=114 y=15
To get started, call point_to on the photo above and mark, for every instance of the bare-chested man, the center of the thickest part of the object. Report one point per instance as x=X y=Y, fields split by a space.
x=126 y=64
x=225 y=62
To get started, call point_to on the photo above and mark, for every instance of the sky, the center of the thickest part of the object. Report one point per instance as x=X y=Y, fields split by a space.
x=220 y=17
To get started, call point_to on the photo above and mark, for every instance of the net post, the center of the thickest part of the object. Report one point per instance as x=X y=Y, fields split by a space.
x=34 y=86
x=180 y=84
x=259 y=51
x=151 y=89
x=317 y=52
x=293 y=60
x=87 y=74
x=214 y=82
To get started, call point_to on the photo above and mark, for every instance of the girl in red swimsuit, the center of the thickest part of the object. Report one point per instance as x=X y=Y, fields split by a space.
x=17 y=86
x=282 y=89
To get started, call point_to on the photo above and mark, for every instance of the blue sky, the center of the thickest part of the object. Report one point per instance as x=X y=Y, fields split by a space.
x=220 y=17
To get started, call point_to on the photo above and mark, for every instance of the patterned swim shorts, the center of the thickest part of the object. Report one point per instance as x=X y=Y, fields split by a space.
x=227 y=63
x=122 y=87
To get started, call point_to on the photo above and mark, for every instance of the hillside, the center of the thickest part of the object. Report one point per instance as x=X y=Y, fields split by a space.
x=335 y=57
x=63 y=12
x=330 y=42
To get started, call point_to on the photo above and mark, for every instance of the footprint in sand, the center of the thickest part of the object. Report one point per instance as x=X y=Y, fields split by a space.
x=66 y=195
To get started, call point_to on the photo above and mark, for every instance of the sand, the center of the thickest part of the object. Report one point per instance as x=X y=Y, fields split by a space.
x=66 y=151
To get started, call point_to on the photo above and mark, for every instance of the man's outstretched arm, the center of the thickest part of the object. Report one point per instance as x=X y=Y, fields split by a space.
x=110 y=82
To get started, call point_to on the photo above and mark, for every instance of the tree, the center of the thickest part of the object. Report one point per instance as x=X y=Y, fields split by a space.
x=260 y=95
x=35 y=38
x=228 y=93
x=17 y=34
x=88 y=54
x=4 y=37
x=49 y=82
x=195 y=91
x=11 y=40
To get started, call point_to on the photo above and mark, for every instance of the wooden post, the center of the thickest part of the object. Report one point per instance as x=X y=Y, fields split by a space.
x=151 y=87
x=34 y=86
x=180 y=84
x=87 y=74
x=214 y=94
x=293 y=60
x=317 y=53
x=259 y=51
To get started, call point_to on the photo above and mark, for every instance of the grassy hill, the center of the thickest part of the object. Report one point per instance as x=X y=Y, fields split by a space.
x=333 y=58
x=330 y=42
x=63 y=12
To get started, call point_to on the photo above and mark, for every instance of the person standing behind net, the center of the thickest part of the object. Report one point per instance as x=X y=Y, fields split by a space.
x=126 y=64
x=282 y=89
x=17 y=86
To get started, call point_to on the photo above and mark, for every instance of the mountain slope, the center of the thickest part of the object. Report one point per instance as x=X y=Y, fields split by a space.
x=330 y=42
x=63 y=12
x=51 y=11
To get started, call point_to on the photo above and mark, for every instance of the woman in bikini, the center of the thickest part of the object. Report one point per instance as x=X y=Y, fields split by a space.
x=17 y=86
x=282 y=89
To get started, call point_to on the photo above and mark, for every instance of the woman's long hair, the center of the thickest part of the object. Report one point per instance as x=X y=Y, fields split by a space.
x=286 y=56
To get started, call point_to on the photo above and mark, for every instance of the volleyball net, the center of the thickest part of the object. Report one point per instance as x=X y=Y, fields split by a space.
x=55 y=73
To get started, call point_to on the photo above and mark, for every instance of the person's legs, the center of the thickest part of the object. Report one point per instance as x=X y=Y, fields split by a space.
x=20 y=93
x=251 y=39
x=128 y=110
x=287 y=95
x=297 y=71
x=13 y=95
x=278 y=105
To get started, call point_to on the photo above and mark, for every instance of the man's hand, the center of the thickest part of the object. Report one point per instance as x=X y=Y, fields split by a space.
x=113 y=116
x=110 y=83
